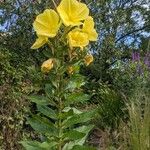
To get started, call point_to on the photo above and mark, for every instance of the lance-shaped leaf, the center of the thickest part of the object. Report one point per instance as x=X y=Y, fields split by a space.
x=45 y=110
x=79 y=147
x=81 y=141
x=73 y=135
x=42 y=125
x=74 y=98
x=40 y=100
x=49 y=90
x=34 y=145
x=79 y=118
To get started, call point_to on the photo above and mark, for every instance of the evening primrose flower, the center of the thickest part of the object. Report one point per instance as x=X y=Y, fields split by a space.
x=46 y=26
x=47 y=23
x=47 y=65
x=88 y=59
x=88 y=27
x=78 y=38
x=72 y=12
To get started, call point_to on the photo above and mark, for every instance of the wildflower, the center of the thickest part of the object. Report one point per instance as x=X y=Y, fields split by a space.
x=88 y=27
x=135 y=56
x=78 y=38
x=47 y=65
x=46 y=26
x=88 y=59
x=72 y=12
x=47 y=23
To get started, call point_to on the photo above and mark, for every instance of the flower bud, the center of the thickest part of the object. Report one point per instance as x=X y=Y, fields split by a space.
x=88 y=59
x=70 y=70
x=47 y=65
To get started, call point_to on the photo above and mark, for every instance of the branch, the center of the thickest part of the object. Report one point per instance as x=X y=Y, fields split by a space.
x=131 y=32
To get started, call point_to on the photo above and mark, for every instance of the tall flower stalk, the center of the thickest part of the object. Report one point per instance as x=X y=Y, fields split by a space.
x=67 y=32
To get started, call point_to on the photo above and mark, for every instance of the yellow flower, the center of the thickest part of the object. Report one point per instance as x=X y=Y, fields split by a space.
x=72 y=12
x=70 y=70
x=47 y=23
x=88 y=59
x=40 y=41
x=88 y=27
x=47 y=65
x=77 y=38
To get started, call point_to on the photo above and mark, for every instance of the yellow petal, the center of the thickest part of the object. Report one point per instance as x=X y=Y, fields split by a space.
x=47 y=65
x=72 y=12
x=88 y=27
x=40 y=41
x=77 y=38
x=88 y=59
x=47 y=23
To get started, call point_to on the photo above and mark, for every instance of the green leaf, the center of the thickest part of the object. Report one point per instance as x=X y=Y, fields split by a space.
x=42 y=125
x=40 y=100
x=79 y=147
x=34 y=145
x=83 y=129
x=74 y=98
x=75 y=111
x=86 y=130
x=45 y=110
x=74 y=135
x=79 y=118
x=49 y=90
x=66 y=114
x=76 y=81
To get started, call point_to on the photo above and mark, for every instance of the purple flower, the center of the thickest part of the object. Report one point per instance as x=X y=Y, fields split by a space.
x=135 y=56
x=147 y=59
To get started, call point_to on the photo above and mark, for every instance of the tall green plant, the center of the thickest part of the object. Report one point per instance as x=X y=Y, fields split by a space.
x=139 y=112
x=61 y=125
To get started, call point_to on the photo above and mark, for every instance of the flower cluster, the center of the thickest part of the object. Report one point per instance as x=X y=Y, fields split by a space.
x=141 y=62
x=74 y=15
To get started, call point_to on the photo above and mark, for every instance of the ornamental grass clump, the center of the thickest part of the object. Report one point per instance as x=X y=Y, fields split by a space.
x=67 y=32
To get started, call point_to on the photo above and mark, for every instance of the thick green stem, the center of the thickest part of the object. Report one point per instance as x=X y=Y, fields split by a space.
x=60 y=126
x=60 y=109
